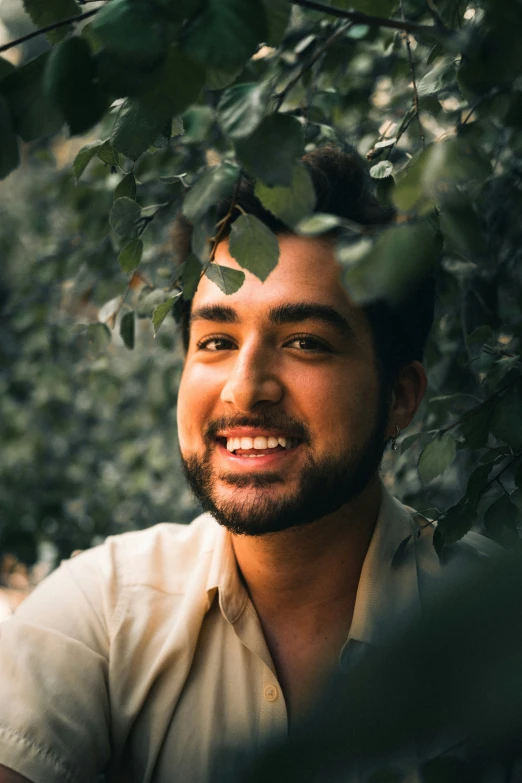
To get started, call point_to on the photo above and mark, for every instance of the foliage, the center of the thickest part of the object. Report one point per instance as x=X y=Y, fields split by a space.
x=177 y=96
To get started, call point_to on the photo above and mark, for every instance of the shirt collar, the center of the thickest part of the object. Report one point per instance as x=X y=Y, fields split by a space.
x=388 y=591
x=224 y=578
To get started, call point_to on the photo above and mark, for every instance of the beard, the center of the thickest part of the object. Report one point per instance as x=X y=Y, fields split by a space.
x=324 y=485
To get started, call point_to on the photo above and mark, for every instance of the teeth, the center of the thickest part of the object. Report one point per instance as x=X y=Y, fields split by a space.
x=260 y=442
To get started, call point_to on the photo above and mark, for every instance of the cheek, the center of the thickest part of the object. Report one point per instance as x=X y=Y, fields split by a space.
x=342 y=407
x=196 y=401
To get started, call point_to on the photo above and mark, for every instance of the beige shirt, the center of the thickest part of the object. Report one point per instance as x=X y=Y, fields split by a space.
x=145 y=655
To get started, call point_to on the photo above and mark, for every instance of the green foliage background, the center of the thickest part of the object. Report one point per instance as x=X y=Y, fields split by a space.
x=164 y=101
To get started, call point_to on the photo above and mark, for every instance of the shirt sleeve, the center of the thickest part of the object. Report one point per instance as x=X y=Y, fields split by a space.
x=54 y=705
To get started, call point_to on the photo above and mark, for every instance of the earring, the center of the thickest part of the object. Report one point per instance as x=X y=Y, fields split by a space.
x=394 y=437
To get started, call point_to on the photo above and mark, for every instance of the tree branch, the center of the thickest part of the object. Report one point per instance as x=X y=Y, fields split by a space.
x=280 y=97
x=372 y=21
x=414 y=83
x=49 y=28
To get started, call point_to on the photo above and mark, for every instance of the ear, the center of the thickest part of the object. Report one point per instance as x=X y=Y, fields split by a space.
x=407 y=393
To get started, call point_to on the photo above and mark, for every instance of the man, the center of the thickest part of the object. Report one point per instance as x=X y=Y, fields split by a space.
x=177 y=652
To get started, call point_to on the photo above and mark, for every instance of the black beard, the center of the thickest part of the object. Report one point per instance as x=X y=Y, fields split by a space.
x=324 y=485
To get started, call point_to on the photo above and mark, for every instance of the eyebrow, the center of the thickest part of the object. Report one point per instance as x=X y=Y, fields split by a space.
x=282 y=314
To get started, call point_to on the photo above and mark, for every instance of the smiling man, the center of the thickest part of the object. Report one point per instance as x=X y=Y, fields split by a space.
x=177 y=652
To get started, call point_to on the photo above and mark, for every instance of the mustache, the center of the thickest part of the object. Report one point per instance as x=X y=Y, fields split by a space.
x=268 y=421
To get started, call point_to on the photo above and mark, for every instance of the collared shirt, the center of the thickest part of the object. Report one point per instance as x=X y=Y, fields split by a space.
x=145 y=656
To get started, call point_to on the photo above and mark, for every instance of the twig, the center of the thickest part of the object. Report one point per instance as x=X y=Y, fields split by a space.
x=372 y=21
x=414 y=82
x=49 y=28
x=316 y=56
x=223 y=224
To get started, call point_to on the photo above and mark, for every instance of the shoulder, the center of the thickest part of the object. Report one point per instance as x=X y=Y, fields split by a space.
x=162 y=556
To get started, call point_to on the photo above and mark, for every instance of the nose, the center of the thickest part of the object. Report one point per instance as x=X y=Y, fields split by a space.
x=253 y=380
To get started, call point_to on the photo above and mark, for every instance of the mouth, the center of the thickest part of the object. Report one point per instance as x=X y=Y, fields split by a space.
x=259 y=450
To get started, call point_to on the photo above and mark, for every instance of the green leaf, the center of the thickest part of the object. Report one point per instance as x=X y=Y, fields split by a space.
x=475 y=426
x=278 y=14
x=241 y=109
x=441 y=76
x=34 y=115
x=456 y=522
x=191 y=276
x=95 y=340
x=319 y=223
x=437 y=456
x=438 y=170
x=226 y=33
x=161 y=312
x=70 y=81
x=382 y=169
x=400 y=256
x=506 y=420
x=291 y=204
x=409 y=440
x=123 y=216
x=271 y=152
x=253 y=246
x=502 y=518
x=84 y=157
x=462 y=229
x=50 y=11
x=219 y=78
x=216 y=183
x=5 y=68
x=480 y=335
x=130 y=256
x=9 y=156
x=108 y=154
x=142 y=119
x=477 y=483
x=518 y=473
x=227 y=279
x=370 y=7
x=126 y=187
x=132 y=30
x=198 y=122
x=128 y=329
x=179 y=9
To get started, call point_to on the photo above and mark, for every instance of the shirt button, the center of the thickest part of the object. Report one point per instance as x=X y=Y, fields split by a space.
x=270 y=692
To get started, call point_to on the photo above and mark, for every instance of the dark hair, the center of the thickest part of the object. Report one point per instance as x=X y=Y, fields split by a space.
x=344 y=188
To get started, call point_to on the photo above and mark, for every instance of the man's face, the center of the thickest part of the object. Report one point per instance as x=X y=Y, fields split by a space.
x=289 y=362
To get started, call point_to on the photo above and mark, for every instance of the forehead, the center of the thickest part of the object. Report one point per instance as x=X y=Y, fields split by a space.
x=307 y=271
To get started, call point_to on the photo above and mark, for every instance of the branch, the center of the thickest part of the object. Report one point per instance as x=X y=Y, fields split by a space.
x=371 y=21
x=316 y=56
x=414 y=84
x=49 y=28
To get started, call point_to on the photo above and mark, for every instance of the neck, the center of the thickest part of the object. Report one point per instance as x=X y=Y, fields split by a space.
x=307 y=571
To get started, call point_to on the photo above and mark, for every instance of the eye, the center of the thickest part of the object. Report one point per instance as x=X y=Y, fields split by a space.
x=307 y=343
x=214 y=344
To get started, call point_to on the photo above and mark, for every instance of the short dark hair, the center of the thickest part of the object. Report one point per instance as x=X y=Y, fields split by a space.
x=344 y=188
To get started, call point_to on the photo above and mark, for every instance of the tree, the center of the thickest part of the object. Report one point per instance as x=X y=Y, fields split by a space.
x=170 y=99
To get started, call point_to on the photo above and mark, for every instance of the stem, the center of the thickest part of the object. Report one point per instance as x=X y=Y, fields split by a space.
x=414 y=83
x=223 y=223
x=316 y=56
x=49 y=28
x=371 y=21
